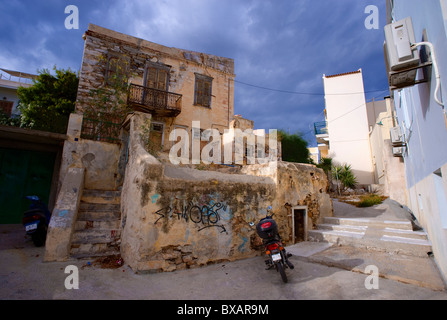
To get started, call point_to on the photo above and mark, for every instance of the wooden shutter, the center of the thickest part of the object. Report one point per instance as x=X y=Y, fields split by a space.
x=206 y=93
x=157 y=77
x=162 y=80
x=199 y=91
x=151 y=78
x=203 y=90
x=6 y=107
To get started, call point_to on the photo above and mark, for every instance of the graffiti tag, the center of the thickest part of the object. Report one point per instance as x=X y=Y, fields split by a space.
x=207 y=215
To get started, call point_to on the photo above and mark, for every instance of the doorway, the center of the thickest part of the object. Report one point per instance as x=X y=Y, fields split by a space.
x=23 y=173
x=299 y=223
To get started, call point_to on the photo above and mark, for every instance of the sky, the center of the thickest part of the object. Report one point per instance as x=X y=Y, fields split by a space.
x=281 y=48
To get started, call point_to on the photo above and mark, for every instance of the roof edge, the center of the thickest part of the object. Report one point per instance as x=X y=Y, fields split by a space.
x=343 y=74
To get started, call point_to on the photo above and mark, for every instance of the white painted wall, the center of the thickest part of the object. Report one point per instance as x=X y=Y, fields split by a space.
x=348 y=124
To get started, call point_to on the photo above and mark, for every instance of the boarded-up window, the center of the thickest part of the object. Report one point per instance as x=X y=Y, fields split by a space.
x=6 y=107
x=156 y=137
x=117 y=70
x=203 y=90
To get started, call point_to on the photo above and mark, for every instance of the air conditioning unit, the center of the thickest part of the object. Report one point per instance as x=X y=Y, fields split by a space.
x=397 y=138
x=398 y=151
x=401 y=59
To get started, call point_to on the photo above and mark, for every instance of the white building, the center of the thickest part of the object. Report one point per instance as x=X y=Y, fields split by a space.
x=347 y=124
x=10 y=81
x=422 y=121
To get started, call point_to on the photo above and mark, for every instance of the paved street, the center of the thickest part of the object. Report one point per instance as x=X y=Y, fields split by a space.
x=23 y=275
x=321 y=272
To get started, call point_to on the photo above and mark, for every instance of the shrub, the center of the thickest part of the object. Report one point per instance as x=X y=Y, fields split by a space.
x=344 y=174
x=370 y=200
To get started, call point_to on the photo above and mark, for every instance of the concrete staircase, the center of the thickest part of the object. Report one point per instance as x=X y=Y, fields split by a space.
x=395 y=236
x=97 y=230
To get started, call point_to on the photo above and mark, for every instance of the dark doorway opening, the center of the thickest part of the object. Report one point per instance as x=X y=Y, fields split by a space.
x=300 y=224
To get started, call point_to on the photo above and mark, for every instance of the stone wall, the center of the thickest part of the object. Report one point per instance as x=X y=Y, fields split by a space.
x=102 y=43
x=99 y=159
x=297 y=184
x=177 y=217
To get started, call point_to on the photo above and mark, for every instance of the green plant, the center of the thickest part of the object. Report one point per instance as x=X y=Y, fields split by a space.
x=47 y=104
x=294 y=147
x=325 y=164
x=344 y=174
x=111 y=97
x=370 y=200
x=9 y=121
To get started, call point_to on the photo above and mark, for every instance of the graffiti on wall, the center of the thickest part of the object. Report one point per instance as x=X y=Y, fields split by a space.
x=204 y=213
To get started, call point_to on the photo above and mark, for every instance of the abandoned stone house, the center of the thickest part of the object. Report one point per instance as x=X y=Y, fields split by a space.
x=117 y=196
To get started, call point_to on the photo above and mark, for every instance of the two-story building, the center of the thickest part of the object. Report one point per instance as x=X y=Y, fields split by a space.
x=176 y=86
x=118 y=197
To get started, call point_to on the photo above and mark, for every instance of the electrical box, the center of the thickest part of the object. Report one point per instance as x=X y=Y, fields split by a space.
x=400 y=58
x=398 y=151
x=397 y=138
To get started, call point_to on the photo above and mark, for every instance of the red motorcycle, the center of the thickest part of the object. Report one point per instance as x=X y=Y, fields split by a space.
x=267 y=229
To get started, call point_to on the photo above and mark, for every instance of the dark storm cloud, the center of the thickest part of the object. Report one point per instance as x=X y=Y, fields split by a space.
x=284 y=45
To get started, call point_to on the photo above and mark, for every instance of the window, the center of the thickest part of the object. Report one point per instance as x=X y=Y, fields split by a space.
x=157 y=136
x=6 y=107
x=117 y=70
x=157 y=76
x=203 y=90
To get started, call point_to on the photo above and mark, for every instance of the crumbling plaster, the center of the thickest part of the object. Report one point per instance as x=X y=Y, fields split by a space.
x=177 y=217
x=100 y=43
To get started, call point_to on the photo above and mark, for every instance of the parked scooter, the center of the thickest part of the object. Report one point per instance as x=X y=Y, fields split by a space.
x=36 y=220
x=267 y=229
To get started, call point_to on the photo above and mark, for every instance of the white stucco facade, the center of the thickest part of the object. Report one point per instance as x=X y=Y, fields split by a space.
x=347 y=123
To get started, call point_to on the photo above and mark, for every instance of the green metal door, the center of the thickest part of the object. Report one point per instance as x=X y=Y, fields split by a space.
x=23 y=173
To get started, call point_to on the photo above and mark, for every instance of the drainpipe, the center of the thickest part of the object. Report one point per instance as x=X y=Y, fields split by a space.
x=435 y=68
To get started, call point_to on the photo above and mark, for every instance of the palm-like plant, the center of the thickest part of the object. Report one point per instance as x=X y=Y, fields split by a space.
x=344 y=174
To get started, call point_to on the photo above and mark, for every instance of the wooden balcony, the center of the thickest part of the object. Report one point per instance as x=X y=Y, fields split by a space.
x=154 y=101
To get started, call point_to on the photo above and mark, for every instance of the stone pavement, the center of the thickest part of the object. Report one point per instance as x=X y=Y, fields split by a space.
x=23 y=275
x=409 y=269
x=403 y=259
x=322 y=272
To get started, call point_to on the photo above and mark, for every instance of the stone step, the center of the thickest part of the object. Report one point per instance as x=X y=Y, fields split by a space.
x=375 y=230
x=335 y=236
x=92 y=236
x=99 y=216
x=405 y=234
x=101 y=196
x=98 y=207
x=342 y=227
x=394 y=224
x=97 y=229
x=97 y=225
x=91 y=250
x=405 y=245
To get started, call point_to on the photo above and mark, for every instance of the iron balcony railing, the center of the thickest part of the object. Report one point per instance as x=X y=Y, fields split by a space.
x=320 y=127
x=154 y=101
x=101 y=129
